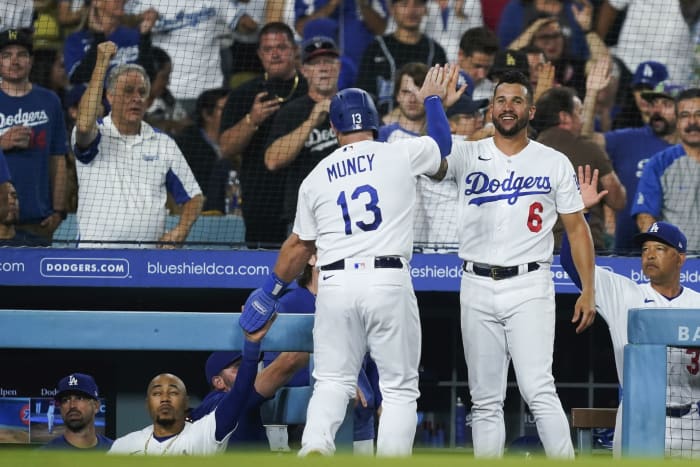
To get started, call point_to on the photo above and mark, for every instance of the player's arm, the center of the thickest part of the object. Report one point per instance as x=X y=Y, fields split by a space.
x=582 y=251
x=234 y=403
x=90 y=105
x=279 y=372
x=433 y=93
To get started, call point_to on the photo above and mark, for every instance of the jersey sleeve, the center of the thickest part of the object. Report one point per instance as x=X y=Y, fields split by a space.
x=424 y=155
x=305 y=221
x=649 y=196
x=568 y=195
x=180 y=180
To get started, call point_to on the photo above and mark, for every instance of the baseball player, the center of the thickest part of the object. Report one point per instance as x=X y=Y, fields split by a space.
x=355 y=211
x=663 y=254
x=77 y=399
x=167 y=401
x=511 y=191
x=302 y=299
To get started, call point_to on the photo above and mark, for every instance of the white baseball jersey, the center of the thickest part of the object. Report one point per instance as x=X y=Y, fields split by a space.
x=512 y=202
x=358 y=201
x=615 y=296
x=196 y=438
x=123 y=188
x=190 y=32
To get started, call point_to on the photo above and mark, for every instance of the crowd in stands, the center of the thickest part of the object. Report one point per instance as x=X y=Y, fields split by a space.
x=243 y=88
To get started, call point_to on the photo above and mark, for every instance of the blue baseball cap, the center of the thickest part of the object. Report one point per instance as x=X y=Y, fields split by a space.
x=467 y=106
x=665 y=233
x=217 y=361
x=665 y=89
x=317 y=46
x=77 y=382
x=650 y=74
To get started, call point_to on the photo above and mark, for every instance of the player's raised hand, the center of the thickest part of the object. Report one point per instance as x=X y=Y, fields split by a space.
x=584 y=311
x=435 y=83
x=454 y=92
x=588 y=182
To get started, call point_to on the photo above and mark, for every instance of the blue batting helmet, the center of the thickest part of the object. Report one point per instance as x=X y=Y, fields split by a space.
x=352 y=109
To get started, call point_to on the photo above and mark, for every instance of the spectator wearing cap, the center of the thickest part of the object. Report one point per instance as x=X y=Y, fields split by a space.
x=301 y=133
x=669 y=188
x=466 y=116
x=476 y=55
x=357 y=22
x=509 y=60
x=388 y=53
x=329 y=28
x=33 y=137
x=629 y=150
x=559 y=122
x=635 y=110
x=245 y=124
x=78 y=401
x=221 y=370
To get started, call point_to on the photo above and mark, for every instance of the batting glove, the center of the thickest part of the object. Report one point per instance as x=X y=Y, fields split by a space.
x=262 y=304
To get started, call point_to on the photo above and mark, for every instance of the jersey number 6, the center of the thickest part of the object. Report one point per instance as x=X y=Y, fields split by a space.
x=534 y=220
x=371 y=206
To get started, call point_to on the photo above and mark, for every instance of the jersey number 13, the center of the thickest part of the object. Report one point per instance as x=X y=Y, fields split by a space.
x=371 y=206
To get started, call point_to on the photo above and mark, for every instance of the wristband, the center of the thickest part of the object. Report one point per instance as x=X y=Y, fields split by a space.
x=274 y=286
x=429 y=98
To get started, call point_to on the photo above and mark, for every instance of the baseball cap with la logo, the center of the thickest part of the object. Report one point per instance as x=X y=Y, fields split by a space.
x=665 y=233
x=77 y=383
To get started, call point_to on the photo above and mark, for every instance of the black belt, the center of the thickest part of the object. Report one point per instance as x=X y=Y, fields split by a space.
x=680 y=411
x=380 y=262
x=497 y=272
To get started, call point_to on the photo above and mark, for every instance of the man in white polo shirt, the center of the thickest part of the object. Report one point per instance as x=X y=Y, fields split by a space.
x=125 y=167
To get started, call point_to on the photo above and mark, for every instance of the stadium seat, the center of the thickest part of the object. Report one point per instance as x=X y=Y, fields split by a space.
x=213 y=232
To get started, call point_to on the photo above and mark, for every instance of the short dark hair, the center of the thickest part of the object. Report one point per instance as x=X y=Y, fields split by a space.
x=479 y=39
x=690 y=93
x=549 y=105
x=206 y=103
x=415 y=70
x=515 y=77
x=277 y=27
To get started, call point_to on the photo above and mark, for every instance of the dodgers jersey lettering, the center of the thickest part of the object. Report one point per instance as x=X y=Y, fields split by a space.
x=359 y=198
x=510 y=200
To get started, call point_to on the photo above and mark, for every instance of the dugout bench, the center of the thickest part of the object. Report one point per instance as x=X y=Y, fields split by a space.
x=583 y=420
x=161 y=330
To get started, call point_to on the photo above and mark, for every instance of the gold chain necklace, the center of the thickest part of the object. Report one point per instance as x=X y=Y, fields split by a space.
x=291 y=93
x=172 y=440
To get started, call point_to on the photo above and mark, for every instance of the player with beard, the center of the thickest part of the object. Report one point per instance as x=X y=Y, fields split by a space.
x=77 y=399
x=670 y=184
x=629 y=149
x=511 y=192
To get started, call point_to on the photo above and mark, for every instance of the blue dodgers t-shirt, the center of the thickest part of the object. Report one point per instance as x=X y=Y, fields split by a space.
x=40 y=110
x=60 y=443
x=629 y=150
x=4 y=170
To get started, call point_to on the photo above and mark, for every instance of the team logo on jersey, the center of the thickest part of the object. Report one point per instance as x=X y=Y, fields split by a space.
x=483 y=158
x=510 y=188
x=21 y=117
x=648 y=300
